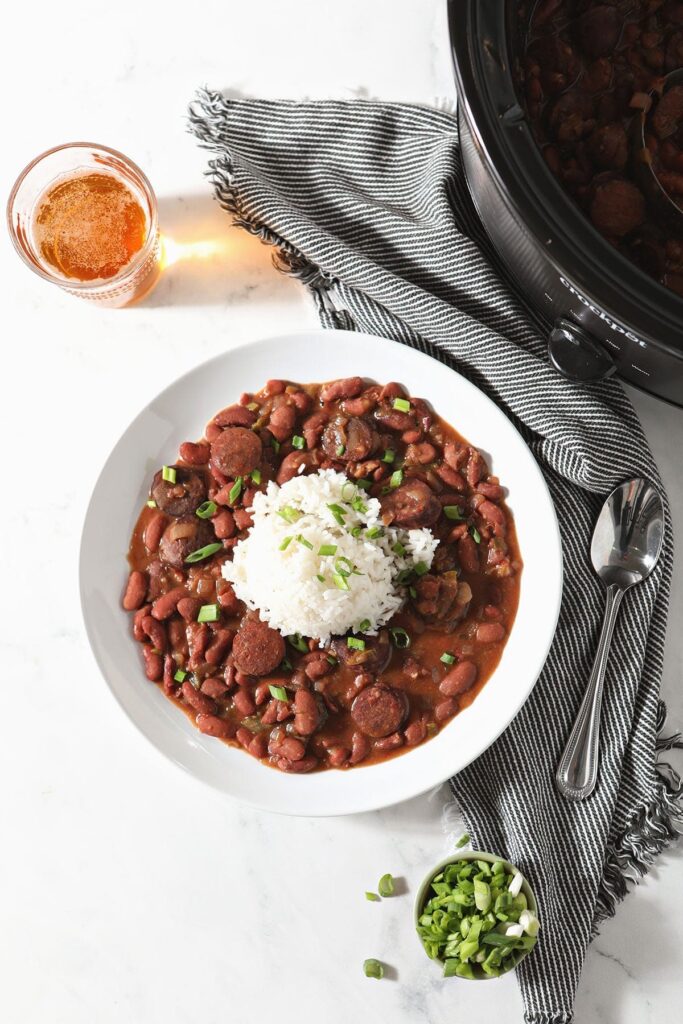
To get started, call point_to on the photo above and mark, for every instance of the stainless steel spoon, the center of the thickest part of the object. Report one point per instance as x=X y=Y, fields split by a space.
x=626 y=544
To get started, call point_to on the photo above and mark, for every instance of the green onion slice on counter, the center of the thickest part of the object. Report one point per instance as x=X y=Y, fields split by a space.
x=400 y=637
x=385 y=886
x=206 y=509
x=278 y=692
x=372 y=896
x=168 y=473
x=209 y=613
x=373 y=968
x=463 y=840
x=201 y=553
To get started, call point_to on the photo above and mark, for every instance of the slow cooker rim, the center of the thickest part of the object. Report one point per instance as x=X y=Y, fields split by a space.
x=575 y=241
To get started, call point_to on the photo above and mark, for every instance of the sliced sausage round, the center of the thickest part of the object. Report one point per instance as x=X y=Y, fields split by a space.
x=181 y=497
x=348 y=438
x=236 y=452
x=379 y=710
x=183 y=536
x=411 y=505
x=257 y=649
x=374 y=658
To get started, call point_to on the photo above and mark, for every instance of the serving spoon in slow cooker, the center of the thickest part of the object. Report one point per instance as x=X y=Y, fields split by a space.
x=626 y=545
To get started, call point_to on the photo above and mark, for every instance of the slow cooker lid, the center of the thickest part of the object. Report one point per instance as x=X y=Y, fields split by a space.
x=484 y=38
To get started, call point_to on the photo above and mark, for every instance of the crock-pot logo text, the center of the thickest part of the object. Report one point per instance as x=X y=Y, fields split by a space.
x=601 y=314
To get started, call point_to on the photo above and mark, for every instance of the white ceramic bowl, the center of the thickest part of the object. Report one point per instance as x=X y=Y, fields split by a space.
x=180 y=413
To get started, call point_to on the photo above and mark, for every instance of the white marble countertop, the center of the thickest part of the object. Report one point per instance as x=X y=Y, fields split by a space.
x=130 y=893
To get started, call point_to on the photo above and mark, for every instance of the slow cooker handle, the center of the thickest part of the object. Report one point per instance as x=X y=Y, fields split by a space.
x=576 y=355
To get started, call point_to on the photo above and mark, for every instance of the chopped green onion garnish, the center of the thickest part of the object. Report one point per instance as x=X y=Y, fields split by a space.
x=365 y=624
x=179 y=676
x=398 y=549
x=201 y=553
x=345 y=567
x=372 y=896
x=354 y=644
x=373 y=969
x=235 y=490
x=364 y=485
x=275 y=446
x=327 y=549
x=463 y=840
x=278 y=692
x=374 y=531
x=348 y=491
x=421 y=568
x=341 y=449
x=151 y=503
x=285 y=665
x=447 y=658
x=168 y=474
x=331 y=660
x=402 y=404
x=285 y=544
x=256 y=476
x=302 y=540
x=475 y=534
x=340 y=582
x=356 y=531
x=209 y=613
x=389 y=455
x=289 y=514
x=400 y=637
x=452 y=512
x=396 y=478
x=338 y=512
x=403 y=576
x=298 y=442
x=298 y=642
x=385 y=886
x=412 y=591
x=206 y=509
x=320 y=577
x=358 y=505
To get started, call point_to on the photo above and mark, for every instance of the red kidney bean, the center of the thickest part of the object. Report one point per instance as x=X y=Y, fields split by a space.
x=269 y=716
x=411 y=436
x=318 y=668
x=194 y=454
x=460 y=679
x=135 y=591
x=138 y=631
x=302 y=400
x=197 y=700
x=476 y=467
x=189 y=607
x=392 y=390
x=493 y=613
x=451 y=477
x=242 y=678
x=360 y=748
x=490 y=632
x=394 y=419
x=274 y=387
x=455 y=454
x=289 y=467
x=468 y=554
x=457 y=532
x=244 y=703
x=390 y=742
x=420 y=454
x=235 y=416
x=244 y=736
x=359 y=406
x=198 y=635
x=155 y=631
x=313 y=427
x=306 y=712
x=214 y=687
x=259 y=745
x=494 y=516
x=153 y=531
x=415 y=733
x=219 y=646
x=291 y=748
x=224 y=524
x=169 y=671
x=212 y=432
x=154 y=665
x=306 y=764
x=445 y=709
x=211 y=725
x=349 y=387
x=282 y=421
x=243 y=519
x=338 y=756
x=176 y=635
x=494 y=492
x=165 y=605
x=228 y=600
x=222 y=495
x=262 y=693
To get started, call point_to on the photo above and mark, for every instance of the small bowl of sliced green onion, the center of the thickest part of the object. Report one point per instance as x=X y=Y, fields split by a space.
x=476 y=915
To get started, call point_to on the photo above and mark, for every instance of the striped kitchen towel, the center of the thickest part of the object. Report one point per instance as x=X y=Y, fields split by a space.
x=367 y=204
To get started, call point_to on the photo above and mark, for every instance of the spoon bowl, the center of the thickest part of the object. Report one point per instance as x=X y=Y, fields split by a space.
x=626 y=545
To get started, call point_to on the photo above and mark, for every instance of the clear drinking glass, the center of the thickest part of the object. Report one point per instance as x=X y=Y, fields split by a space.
x=139 y=275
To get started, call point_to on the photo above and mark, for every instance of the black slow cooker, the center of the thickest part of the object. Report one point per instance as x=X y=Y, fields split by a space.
x=606 y=314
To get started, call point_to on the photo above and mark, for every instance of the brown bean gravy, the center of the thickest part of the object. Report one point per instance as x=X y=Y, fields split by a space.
x=286 y=701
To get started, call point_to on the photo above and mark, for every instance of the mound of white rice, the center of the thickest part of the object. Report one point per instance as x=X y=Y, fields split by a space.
x=277 y=568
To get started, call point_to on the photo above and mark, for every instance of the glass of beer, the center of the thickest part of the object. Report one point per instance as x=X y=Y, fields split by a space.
x=85 y=217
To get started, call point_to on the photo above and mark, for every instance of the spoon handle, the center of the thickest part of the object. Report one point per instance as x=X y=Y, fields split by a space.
x=577 y=772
